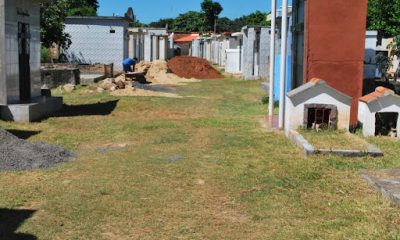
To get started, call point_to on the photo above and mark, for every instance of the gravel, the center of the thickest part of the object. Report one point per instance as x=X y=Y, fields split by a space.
x=17 y=154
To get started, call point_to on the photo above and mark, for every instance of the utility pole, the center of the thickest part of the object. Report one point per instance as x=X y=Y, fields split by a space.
x=272 y=60
x=283 y=64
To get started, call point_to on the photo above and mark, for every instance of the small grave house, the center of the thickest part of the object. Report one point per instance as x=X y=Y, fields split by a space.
x=20 y=80
x=379 y=113
x=183 y=43
x=316 y=105
x=328 y=42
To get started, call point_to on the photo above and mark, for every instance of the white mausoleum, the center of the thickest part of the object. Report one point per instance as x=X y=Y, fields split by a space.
x=378 y=113
x=317 y=105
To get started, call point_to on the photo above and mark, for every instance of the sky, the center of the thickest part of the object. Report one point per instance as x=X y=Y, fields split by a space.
x=152 y=10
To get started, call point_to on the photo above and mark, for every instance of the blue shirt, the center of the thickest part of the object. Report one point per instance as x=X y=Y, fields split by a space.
x=129 y=62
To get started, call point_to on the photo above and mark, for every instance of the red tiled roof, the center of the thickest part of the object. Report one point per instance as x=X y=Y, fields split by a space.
x=379 y=92
x=315 y=80
x=185 y=37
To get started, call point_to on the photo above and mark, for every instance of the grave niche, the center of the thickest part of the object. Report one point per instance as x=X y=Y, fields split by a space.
x=386 y=124
x=320 y=116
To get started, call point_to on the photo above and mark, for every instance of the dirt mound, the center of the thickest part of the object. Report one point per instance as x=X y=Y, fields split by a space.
x=17 y=154
x=192 y=67
x=158 y=72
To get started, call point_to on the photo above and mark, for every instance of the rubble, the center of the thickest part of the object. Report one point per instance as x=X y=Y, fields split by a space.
x=17 y=154
x=69 y=88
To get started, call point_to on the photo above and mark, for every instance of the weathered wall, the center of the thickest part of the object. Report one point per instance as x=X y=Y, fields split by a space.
x=265 y=41
x=249 y=38
x=3 y=85
x=334 y=46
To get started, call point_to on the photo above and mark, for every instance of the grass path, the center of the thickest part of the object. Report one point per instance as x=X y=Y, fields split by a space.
x=198 y=167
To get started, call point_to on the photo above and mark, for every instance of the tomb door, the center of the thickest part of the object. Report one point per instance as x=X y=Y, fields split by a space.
x=24 y=62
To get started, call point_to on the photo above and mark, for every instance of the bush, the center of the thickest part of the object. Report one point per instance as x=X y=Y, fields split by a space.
x=45 y=55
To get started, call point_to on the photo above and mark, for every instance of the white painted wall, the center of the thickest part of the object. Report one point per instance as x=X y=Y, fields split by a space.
x=92 y=41
x=233 y=61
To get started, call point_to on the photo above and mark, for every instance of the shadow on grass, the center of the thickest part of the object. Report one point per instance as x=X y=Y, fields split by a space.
x=11 y=220
x=99 y=109
x=23 y=134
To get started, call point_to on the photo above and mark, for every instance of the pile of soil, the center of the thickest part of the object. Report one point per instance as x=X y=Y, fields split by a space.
x=17 y=154
x=158 y=72
x=192 y=67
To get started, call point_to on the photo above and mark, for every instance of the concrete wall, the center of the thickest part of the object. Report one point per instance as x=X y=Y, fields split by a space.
x=366 y=112
x=370 y=55
x=3 y=85
x=9 y=76
x=93 y=42
x=249 y=38
x=163 y=48
x=319 y=95
x=150 y=44
x=265 y=39
x=196 y=48
x=255 y=52
x=334 y=45
x=233 y=61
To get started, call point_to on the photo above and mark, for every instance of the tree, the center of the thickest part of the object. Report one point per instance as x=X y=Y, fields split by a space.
x=190 y=22
x=227 y=25
x=83 y=7
x=52 y=17
x=257 y=18
x=164 y=22
x=211 y=12
x=384 y=16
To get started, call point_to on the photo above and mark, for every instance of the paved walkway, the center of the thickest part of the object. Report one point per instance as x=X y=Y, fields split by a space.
x=387 y=182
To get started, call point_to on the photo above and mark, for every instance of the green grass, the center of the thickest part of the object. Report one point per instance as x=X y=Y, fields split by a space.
x=234 y=181
x=334 y=140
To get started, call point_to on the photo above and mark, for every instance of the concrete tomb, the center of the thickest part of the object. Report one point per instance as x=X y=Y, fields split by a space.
x=20 y=80
x=378 y=113
x=316 y=105
x=148 y=44
x=255 y=52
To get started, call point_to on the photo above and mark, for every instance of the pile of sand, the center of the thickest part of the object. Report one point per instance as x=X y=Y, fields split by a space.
x=193 y=67
x=18 y=154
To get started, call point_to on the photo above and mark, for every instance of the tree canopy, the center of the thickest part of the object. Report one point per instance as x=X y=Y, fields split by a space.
x=384 y=16
x=193 y=21
x=211 y=11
